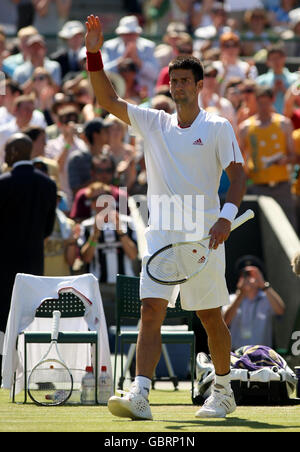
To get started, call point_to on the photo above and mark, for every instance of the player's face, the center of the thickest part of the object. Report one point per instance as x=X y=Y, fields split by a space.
x=184 y=89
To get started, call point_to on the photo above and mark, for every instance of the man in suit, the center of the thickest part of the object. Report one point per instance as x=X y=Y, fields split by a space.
x=72 y=34
x=27 y=210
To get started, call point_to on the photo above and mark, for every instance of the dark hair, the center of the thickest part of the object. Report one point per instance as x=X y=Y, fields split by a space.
x=276 y=48
x=13 y=86
x=188 y=62
x=33 y=132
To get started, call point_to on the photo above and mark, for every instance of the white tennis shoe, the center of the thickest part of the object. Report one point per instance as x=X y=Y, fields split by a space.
x=133 y=405
x=218 y=404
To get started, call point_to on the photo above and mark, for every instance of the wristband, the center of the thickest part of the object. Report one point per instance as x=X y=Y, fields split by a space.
x=93 y=244
x=94 y=61
x=229 y=211
x=122 y=234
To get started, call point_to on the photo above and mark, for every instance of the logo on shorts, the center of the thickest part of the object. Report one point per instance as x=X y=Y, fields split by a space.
x=198 y=142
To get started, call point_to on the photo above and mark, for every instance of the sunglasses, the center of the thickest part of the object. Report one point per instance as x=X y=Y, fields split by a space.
x=247 y=91
x=39 y=78
x=228 y=45
x=70 y=117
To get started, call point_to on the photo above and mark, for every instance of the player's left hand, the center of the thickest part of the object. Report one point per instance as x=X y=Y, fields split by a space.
x=219 y=233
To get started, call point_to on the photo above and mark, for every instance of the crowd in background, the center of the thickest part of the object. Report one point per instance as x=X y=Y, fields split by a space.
x=245 y=48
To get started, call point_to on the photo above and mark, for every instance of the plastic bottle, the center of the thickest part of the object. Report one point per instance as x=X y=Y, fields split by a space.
x=88 y=387
x=104 y=390
x=58 y=396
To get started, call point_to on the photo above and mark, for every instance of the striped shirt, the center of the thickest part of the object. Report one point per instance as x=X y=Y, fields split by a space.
x=109 y=257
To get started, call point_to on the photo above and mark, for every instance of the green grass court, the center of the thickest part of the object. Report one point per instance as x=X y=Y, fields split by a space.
x=173 y=413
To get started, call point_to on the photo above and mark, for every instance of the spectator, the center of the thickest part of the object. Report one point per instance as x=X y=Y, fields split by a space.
x=230 y=65
x=167 y=50
x=280 y=15
x=72 y=34
x=291 y=37
x=184 y=46
x=123 y=153
x=128 y=70
x=129 y=44
x=23 y=109
x=266 y=141
x=233 y=92
x=291 y=107
x=85 y=99
x=248 y=106
x=37 y=58
x=44 y=88
x=208 y=36
x=38 y=138
x=296 y=179
x=256 y=21
x=27 y=204
x=61 y=249
x=249 y=315
x=51 y=14
x=13 y=61
x=209 y=96
x=60 y=148
x=279 y=78
x=108 y=246
x=102 y=181
x=80 y=160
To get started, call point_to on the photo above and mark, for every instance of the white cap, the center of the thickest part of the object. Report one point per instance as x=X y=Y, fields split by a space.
x=128 y=24
x=70 y=29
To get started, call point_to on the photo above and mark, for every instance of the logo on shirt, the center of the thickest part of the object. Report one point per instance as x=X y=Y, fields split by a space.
x=198 y=142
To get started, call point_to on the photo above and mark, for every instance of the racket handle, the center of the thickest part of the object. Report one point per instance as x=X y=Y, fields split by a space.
x=55 y=325
x=242 y=219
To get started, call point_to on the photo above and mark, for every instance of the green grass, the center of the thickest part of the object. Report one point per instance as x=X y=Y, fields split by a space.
x=172 y=412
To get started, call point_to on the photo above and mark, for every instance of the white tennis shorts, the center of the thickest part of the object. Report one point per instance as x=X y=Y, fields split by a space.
x=207 y=290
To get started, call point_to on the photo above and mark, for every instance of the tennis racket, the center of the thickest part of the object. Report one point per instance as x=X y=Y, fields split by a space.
x=50 y=381
x=179 y=262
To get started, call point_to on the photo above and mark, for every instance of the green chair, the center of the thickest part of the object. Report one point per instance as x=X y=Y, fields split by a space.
x=69 y=305
x=128 y=307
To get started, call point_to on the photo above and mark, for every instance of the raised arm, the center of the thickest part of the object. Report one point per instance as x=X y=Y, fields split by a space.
x=104 y=91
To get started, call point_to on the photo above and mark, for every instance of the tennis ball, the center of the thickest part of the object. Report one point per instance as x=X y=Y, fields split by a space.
x=296 y=264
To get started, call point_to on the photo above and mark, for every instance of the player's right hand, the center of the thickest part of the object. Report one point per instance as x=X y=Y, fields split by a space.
x=94 y=35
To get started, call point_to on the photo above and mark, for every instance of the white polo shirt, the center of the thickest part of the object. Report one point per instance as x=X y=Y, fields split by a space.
x=184 y=162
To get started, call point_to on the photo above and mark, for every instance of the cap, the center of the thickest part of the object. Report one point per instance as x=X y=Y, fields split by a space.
x=70 y=29
x=209 y=68
x=248 y=260
x=176 y=27
x=36 y=39
x=294 y=16
x=128 y=24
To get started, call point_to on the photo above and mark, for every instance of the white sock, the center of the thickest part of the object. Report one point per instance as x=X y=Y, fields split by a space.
x=143 y=384
x=223 y=380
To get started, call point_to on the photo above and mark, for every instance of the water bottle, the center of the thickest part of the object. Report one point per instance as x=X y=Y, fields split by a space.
x=57 y=396
x=88 y=387
x=104 y=391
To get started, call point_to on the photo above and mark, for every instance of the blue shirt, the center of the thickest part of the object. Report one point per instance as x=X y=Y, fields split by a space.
x=252 y=323
x=269 y=78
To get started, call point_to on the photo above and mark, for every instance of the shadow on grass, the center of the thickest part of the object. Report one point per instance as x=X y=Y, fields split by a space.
x=228 y=422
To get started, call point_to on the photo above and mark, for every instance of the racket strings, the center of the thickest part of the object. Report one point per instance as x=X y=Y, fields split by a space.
x=179 y=262
x=50 y=383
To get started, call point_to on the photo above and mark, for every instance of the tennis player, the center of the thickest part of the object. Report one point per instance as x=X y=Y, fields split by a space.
x=185 y=154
